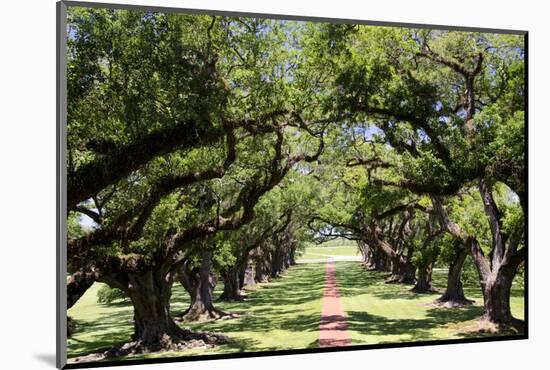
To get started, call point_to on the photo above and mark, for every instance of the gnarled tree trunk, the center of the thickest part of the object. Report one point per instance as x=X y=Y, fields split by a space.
x=402 y=271
x=154 y=327
x=276 y=263
x=292 y=256
x=379 y=261
x=424 y=280
x=366 y=254
x=150 y=295
x=407 y=272
x=261 y=271
x=200 y=284
x=286 y=261
x=231 y=285
x=234 y=280
x=248 y=277
x=394 y=277
x=496 y=284
x=496 y=297
x=454 y=294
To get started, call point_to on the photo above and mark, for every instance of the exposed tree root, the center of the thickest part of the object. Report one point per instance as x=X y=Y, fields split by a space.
x=485 y=326
x=444 y=302
x=370 y=267
x=185 y=339
x=206 y=315
x=398 y=279
x=240 y=298
x=392 y=279
x=418 y=290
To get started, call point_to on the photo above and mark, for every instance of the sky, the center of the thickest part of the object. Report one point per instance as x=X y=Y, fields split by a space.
x=87 y=222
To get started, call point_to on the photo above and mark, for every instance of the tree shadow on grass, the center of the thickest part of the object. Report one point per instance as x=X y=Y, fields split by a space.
x=354 y=280
x=405 y=293
x=414 y=329
x=247 y=345
x=268 y=320
x=374 y=325
x=101 y=334
x=457 y=322
x=302 y=287
x=275 y=305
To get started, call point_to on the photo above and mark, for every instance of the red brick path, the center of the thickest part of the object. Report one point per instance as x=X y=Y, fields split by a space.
x=333 y=321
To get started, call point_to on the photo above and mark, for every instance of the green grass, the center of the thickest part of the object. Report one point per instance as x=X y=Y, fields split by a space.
x=378 y=312
x=285 y=314
x=282 y=314
x=319 y=252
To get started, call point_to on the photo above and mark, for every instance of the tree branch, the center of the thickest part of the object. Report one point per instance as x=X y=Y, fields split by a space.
x=493 y=213
x=119 y=162
x=162 y=187
x=454 y=229
x=96 y=217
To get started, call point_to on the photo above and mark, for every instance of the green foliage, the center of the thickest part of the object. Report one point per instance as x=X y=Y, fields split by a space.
x=423 y=255
x=469 y=273
x=74 y=228
x=449 y=247
x=108 y=295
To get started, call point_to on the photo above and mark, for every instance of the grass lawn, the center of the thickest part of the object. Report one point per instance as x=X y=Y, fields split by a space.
x=378 y=312
x=316 y=252
x=282 y=314
x=286 y=312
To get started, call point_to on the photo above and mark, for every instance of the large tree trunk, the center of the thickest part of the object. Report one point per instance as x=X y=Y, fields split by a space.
x=496 y=283
x=379 y=261
x=234 y=280
x=424 y=280
x=402 y=271
x=366 y=257
x=243 y=270
x=454 y=294
x=276 y=263
x=248 y=277
x=366 y=254
x=232 y=283
x=407 y=272
x=394 y=277
x=496 y=298
x=154 y=327
x=200 y=284
x=150 y=295
x=262 y=267
x=497 y=272
x=286 y=261
x=292 y=257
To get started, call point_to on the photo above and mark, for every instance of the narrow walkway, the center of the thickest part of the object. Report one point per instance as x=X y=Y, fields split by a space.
x=333 y=329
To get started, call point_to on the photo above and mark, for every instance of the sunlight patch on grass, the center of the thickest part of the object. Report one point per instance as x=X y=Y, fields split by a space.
x=282 y=314
x=285 y=314
x=320 y=252
x=378 y=312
